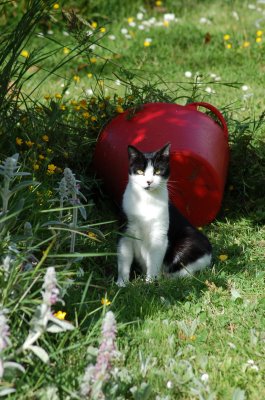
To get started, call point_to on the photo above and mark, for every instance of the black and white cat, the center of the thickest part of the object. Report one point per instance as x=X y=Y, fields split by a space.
x=157 y=236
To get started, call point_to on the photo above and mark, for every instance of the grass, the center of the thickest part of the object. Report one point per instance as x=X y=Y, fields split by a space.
x=198 y=338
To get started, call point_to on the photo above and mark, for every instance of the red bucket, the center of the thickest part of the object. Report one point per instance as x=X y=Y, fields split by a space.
x=199 y=154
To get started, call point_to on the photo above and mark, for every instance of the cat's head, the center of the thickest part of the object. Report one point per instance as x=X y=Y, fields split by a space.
x=149 y=170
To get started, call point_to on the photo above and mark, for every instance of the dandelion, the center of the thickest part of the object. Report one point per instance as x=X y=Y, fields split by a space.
x=66 y=50
x=119 y=109
x=166 y=23
x=76 y=78
x=56 y=6
x=86 y=115
x=246 y=44
x=103 y=29
x=258 y=39
x=62 y=107
x=19 y=141
x=147 y=42
x=58 y=96
x=93 y=118
x=29 y=143
x=49 y=151
x=226 y=37
x=94 y=24
x=223 y=257
x=92 y=235
x=89 y=75
x=47 y=97
x=259 y=33
x=60 y=315
x=36 y=167
x=229 y=46
x=24 y=53
x=105 y=301
x=45 y=138
x=93 y=60
x=51 y=169
x=159 y=3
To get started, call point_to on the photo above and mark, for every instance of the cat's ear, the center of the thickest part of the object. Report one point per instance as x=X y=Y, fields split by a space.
x=133 y=152
x=165 y=150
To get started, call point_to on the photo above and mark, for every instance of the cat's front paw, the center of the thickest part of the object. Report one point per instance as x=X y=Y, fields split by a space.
x=120 y=282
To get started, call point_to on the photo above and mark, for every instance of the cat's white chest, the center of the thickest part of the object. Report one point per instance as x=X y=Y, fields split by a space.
x=148 y=221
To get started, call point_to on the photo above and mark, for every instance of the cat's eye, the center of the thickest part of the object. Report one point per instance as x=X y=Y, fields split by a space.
x=157 y=172
x=140 y=172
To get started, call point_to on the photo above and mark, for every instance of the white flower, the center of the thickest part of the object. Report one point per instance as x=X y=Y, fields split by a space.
x=50 y=32
x=217 y=78
x=124 y=31
x=65 y=33
x=118 y=82
x=149 y=40
x=112 y=37
x=244 y=88
x=128 y=36
x=169 y=384
x=209 y=90
x=132 y=24
x=139 y=16
x=141 y=27
x=250 y=362
x=89 y=92
x=205 y=377
x=251 y=6
x=188 y=74
x=169 y=17
x=235 y=15
x=204 y=20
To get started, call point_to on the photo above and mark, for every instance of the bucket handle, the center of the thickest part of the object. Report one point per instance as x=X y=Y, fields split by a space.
x=218 y=114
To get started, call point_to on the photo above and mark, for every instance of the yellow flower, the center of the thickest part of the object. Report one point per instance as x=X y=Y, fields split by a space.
x=226 y=37
x=73 y=102
x=258 y=40
x=158 y=3
x=93 y=60
x=246 y=44
x=49 y=151
x=58 y=96
x=24 y=53
x=102 y=30
x=89 y=75
x=36 y=167
x=223 y=257
x=147 y=42
x=56 y=6
x=66 y=50
x=229 y=46
x=119 y=109
x=130 y=20
x=94 y=24
x=83 y=103
x=120 y=100
x=105 y=301
x=47 y=97
x=92 y=235
x=60 y=314
x=29 y=143
x=76 y=78
x=259 y=33
x=192 y=337
x=41 y=157
x=19 y=141
x=62 y=107
x=51 y=169
x=166 y=23
x=93 y=118
x=77 y=108
x=86 y=115
x=45 y=138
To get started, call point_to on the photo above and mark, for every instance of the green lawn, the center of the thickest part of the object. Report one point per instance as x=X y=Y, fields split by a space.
x=197 y=338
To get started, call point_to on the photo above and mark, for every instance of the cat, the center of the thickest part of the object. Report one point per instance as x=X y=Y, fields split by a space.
x=157 y=236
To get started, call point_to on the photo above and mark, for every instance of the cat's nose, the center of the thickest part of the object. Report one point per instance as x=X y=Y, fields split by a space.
x=149 y=183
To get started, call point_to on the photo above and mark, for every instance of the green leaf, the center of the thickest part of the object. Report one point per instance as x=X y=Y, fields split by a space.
x=22 y=185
